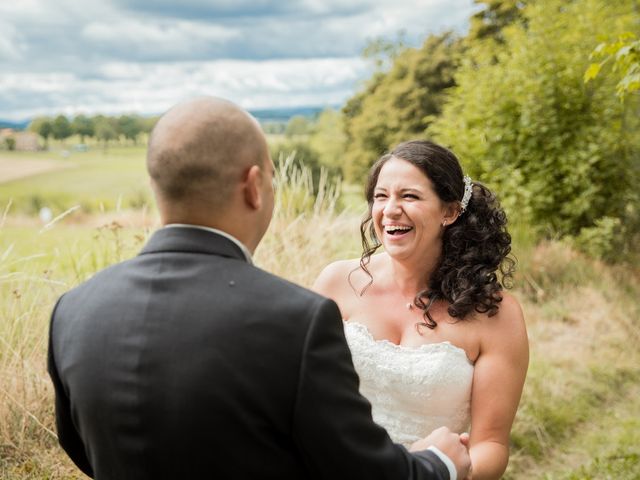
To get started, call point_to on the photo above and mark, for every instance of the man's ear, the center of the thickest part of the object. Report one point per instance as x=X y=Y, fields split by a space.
x=252 y=183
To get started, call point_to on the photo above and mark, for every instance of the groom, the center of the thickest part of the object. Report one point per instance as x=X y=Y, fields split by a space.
x=189 y=362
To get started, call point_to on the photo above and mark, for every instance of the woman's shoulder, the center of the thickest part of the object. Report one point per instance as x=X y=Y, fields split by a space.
x=333 y=276
x=508 y=324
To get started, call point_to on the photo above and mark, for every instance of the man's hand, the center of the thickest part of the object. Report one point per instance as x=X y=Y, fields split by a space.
x=454 y=446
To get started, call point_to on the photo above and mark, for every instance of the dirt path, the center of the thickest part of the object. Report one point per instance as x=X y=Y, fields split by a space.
x=13 y=169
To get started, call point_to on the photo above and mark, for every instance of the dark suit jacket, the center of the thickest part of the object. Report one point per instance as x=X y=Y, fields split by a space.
x=187 y=362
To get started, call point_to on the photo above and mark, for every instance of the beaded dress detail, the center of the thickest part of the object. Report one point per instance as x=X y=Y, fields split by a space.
x=412 y=390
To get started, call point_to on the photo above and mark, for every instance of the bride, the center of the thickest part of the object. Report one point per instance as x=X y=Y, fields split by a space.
x=434 y=338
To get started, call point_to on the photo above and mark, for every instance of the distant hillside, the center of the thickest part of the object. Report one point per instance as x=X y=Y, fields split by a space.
x=263 y=115
x=15 y=125
x=284 y=114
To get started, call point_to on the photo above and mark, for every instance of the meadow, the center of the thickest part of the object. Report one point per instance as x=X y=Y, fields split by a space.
x=579 y=417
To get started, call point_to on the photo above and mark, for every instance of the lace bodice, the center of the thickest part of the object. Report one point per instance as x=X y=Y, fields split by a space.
x=412 y=390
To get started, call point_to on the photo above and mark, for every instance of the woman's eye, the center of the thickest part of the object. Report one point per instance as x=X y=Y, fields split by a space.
x=379 y=195
x=411 y=196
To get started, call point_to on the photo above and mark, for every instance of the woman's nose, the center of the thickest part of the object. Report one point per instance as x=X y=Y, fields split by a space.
x=392 y=208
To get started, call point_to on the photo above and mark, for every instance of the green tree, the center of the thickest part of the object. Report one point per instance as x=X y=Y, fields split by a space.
x=495 y=15
x=147 y=123
x=83 y=126
x=105 y=130
x=130 y=127
x=400 y=104
x=43 y=127
x=298 y=125
x=61 y=128
x=624 y=53
x=10 y=143
x=329 y=140
x=559 y=153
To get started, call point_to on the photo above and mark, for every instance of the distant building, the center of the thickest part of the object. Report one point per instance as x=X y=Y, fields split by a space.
x=25 y=141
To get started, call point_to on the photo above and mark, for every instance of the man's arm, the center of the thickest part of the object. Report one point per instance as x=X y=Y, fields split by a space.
x=67 y=434
x=332 y=423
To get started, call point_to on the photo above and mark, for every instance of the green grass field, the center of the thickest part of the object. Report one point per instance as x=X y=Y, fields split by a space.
x=580 y=413
x=94 y=180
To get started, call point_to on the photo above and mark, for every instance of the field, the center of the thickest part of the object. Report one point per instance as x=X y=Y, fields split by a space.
x=580 y=413
x=95 y=180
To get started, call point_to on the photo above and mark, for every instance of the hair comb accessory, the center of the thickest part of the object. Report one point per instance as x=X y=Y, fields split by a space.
x=468 y=188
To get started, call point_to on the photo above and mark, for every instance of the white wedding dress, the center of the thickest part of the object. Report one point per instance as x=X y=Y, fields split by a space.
x=412 y=391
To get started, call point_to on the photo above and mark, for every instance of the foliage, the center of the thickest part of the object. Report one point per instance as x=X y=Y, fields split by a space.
x=10 y=143
x=130 y=127
x=106 y=129
x=398 y=105
x=625 y=55
x=43 y=127
x=560 y=155
x=327 y=138
x=61 y=128
x=103 y=128
x=297 y=125
x=495 y=15
x=83 y=126
x=383 y=52
x=318 y=143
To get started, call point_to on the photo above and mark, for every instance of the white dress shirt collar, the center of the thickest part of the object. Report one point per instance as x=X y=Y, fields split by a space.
x=245 y=250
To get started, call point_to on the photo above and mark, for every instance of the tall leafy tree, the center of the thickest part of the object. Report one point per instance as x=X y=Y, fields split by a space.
x=328 y=139
x=399 y=104
x=298 y=125
x=42 y=126
x=83 y=126
x=559 y=153
x=495 y=15
x=61 y=128
x=130 y=127
x=106 y=130
x=624 y=53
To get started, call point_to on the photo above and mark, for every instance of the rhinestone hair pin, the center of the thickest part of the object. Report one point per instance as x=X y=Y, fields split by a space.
x=468 y=188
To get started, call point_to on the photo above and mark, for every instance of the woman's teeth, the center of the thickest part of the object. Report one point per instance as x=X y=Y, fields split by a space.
x=396 y=229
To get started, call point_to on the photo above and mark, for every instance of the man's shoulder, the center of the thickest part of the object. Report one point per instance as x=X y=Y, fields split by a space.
x=97 y=280
x=283 y=288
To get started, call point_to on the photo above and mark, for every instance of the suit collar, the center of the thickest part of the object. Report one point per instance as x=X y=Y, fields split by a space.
x=193 y=240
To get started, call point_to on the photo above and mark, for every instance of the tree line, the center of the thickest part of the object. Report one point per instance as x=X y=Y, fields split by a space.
x=540 y=101
x=99 y=127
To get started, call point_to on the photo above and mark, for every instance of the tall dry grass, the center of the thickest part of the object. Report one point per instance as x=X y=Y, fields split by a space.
x=582 y=318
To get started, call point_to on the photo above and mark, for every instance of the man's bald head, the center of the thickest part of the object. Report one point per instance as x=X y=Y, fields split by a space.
x=199 y=149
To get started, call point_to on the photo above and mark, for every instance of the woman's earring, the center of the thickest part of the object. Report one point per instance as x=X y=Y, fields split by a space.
x=444 y=223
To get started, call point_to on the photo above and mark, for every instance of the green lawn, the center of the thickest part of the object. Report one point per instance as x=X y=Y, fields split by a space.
x=95 y=180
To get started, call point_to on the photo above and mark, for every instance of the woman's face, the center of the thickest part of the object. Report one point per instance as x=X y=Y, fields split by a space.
x=407 y=213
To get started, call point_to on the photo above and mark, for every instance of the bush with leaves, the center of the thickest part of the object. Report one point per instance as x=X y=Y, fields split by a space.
x=399 y=104
x=561 y=154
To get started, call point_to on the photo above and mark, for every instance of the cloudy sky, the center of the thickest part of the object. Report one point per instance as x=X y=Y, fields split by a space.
x=142 y=56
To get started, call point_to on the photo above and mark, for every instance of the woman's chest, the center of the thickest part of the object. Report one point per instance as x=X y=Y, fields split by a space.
x=404 y=324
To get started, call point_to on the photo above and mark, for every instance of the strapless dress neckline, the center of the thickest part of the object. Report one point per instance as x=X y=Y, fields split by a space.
x=412 y=390
x=445 y=345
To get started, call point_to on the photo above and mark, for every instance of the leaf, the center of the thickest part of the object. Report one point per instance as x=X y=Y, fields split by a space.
x=592 y=72
x=623 y=52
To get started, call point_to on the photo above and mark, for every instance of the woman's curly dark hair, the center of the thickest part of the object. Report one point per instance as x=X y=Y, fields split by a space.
x=474 y=248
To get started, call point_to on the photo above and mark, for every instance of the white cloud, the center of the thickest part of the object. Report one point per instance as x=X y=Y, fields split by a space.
x=154 y=87
x=157 y=39
x=134 y=55
x=11 y=45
